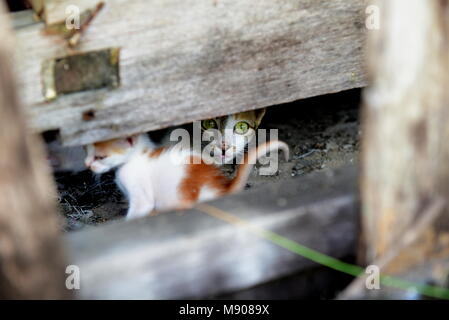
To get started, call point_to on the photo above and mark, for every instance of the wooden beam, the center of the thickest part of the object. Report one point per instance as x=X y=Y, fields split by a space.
x=21 y=19
x=182 y=61
x=31 y=257
x=192 y=255
x=405 y=180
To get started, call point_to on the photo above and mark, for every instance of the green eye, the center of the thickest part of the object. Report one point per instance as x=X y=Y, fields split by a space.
x=241 y=127
x=209 y=124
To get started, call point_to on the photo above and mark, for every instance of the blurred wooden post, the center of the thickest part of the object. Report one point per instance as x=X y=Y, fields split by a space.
x=31 y=259
x=405 y=151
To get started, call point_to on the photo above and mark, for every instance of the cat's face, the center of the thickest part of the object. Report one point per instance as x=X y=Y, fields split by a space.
x=236 y=130
x=104 y=156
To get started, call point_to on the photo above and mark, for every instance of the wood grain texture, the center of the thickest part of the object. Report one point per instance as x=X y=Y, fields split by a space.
x=188 y=60
x=405 y=148
x=38 y=6
x=193 y=255
x=31 y=254
x=22 y=19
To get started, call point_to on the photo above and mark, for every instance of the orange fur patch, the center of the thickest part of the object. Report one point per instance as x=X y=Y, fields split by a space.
x=253 y=117
x=109 y=147
x=248 y=115
x=199 y=176
x=156 y=152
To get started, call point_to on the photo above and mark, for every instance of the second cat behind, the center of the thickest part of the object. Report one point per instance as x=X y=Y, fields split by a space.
x=237 y=131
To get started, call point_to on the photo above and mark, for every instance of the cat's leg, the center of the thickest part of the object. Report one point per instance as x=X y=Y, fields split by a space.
x=139 y=207
x=141 y=203
x=138 y=190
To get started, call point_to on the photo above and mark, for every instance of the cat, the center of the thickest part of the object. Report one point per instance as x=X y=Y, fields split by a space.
x=154 y=182
x=63 y=159
x=237 y=131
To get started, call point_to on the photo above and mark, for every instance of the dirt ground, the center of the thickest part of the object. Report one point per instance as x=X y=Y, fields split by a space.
x=322 y=132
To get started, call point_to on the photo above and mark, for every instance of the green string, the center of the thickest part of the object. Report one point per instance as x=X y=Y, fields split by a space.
x=318 y=257
x=322 y=259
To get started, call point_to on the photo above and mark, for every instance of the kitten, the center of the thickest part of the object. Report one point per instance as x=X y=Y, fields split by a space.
x=237 y=130
x=153 y=181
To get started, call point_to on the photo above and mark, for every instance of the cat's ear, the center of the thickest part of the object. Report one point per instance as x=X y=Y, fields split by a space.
x=259 y=115
x=132 y=140
x=125 y=143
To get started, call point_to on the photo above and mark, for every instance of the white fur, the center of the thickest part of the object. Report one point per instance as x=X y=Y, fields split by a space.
x=150 y=183
x=140 y=142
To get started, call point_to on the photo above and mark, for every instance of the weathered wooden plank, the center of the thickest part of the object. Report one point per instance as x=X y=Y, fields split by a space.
x=31 y=254
x=404 y=181
x=191 y=254
x=187 y=60
x=406 y=161
x=22 y=19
